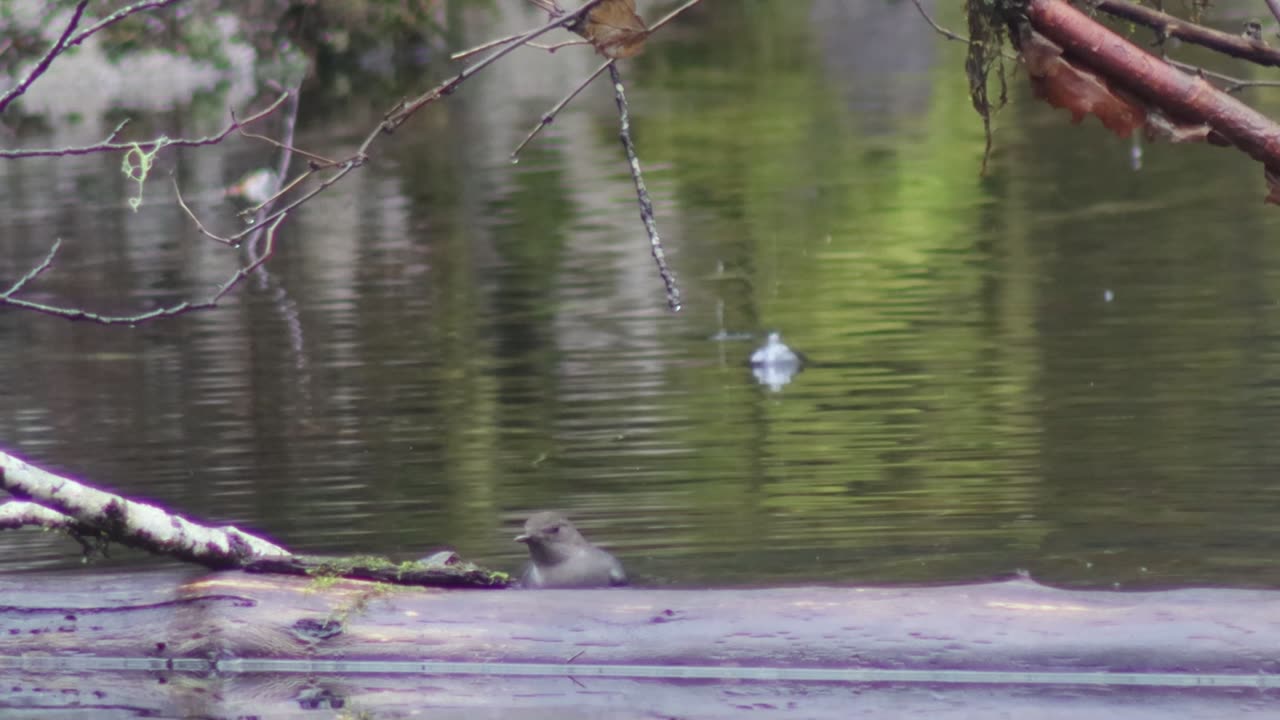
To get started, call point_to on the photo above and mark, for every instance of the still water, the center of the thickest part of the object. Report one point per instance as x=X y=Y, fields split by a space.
x=1068 y=366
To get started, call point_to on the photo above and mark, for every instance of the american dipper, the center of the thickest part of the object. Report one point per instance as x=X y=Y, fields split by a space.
x=561 y=558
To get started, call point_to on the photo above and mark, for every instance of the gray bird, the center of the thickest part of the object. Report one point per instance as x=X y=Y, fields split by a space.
x=561 y=558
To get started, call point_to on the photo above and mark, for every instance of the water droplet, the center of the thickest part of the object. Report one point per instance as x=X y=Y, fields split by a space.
x=515 y=159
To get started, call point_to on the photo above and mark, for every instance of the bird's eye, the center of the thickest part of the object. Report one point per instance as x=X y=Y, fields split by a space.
x=553 y=529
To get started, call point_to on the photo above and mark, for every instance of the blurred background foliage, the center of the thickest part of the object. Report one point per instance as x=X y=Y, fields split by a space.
x=376 y=36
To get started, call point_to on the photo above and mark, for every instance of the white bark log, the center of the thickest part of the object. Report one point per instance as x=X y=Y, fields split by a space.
x=132 y=523
x=18 y=514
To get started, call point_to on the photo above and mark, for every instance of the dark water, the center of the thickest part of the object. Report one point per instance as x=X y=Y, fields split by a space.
x=1067 y=366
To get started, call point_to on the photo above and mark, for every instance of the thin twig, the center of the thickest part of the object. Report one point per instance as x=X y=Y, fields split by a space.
x=406 y=110
x=34 y=272
x=48 y=58
x=938 y=28
x=117 y=16
x=196 y=219
x=550 y=116
x=672 y=15
x=1231 y=84
x=320 y=159
x=464 y=54
x=642 y=194
x=282 y=171
x=1170 y=26
x=167 y=311
x=146 y=145
x=282 y=190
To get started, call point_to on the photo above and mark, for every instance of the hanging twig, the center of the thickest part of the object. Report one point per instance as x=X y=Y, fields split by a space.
x=642 y=194
x=938 y=28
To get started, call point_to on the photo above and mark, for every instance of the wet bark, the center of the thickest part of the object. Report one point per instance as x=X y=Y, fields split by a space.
x=231 y=643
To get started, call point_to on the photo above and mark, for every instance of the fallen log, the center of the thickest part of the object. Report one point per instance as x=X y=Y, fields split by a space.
x=287 y=640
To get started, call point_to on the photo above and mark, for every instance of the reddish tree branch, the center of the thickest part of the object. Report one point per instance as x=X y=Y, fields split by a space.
x=1170 y=26
x=1180 y=96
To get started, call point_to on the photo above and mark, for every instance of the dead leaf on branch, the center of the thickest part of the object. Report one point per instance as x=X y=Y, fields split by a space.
x=1080 y=91
x=1066 y=85
x=614 y=29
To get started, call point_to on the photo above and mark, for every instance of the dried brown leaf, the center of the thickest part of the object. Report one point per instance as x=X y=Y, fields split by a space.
x=614 y=29
x=1078 y=90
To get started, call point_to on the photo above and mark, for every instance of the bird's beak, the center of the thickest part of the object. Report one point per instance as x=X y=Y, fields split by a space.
x=522 y=538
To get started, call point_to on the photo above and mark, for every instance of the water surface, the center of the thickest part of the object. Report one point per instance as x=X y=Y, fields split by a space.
x=1064 y=367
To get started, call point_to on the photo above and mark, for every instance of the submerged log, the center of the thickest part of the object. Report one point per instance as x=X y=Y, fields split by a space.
x=226 y=639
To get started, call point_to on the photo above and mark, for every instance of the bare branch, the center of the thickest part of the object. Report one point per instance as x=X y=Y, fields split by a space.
x=167 y=311
x=268 y=220
x=196 y=219
x=1170 y=26
x=43 y=64
x=117 y=16
x=672 y=15
x=405 y=110
x=1230 y=84
x=282 y=171
x=642 y=194
x=34 y=272
x=550 y=116
x=286 y=145
x=938 y=28
x=464 y=54
x=107 y=145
